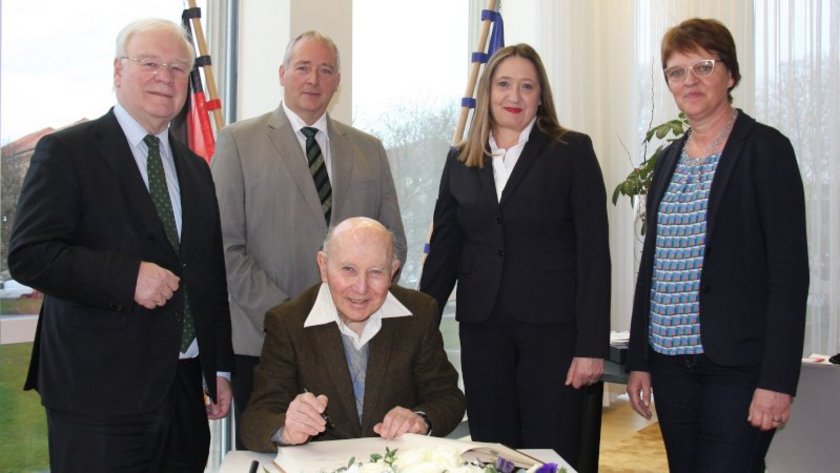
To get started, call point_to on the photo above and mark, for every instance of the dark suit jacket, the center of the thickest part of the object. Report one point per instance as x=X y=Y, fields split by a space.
x=84 y=222
x=542 y=250
x=754 y=282
x=407 y=367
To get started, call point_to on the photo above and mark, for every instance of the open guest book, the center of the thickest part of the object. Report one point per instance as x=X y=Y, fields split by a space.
x=329 y=455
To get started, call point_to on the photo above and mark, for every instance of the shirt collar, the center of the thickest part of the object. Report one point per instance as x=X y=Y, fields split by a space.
x=298 y=123
x=134 y=131
x=523 y=138
x=324 y=312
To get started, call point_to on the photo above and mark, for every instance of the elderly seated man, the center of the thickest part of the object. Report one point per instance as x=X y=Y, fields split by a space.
x=354 y=356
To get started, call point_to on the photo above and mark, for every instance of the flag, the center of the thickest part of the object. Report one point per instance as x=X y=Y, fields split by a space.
x=192 y=125
x=497 y=36
x=200 y=137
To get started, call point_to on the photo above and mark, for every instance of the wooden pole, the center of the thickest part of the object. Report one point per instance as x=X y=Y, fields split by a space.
x=476 y=67
x=208 y=69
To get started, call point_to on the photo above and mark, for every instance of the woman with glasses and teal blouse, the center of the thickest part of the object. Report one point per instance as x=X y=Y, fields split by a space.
x=719 y=311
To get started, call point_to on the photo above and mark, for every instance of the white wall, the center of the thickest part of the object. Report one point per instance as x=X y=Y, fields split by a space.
x=264 y=30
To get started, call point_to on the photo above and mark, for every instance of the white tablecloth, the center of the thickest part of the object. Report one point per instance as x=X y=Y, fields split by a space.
x=239 y=461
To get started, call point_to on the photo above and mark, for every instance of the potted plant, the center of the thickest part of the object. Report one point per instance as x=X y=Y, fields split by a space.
x=637 y=182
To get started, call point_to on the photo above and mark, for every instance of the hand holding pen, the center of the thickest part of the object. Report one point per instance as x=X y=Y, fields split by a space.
x=305 y=418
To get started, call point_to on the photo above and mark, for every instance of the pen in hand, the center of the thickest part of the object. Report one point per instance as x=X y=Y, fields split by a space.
x=323 y=415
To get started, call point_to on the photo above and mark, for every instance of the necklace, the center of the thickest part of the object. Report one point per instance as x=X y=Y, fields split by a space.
x=714 y=145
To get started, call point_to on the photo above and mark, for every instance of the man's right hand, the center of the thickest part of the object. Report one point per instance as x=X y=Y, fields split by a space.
x=155 y=285
x=304 y=419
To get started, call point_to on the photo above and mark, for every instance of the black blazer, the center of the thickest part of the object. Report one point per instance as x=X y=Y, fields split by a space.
x=542 y=250
x=84 y=222
x=754 y=282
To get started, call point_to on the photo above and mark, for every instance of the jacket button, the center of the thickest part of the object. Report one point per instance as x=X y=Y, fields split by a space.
x=498 y=219
x=501 y=253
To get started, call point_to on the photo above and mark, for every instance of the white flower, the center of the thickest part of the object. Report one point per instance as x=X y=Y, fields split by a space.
x=466 y=469
x=427 y=460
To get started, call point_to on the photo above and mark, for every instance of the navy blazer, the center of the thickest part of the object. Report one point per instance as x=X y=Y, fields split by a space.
x=754 y=282
x=84 y=222
x=542 y=250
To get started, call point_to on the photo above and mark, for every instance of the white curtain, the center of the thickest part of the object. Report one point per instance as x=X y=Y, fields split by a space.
x=797 y=90
x=603 y=61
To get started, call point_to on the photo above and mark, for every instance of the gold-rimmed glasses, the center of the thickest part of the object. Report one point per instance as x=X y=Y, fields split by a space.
x=177 y=70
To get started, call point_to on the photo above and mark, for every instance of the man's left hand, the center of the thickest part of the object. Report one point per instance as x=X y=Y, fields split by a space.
x=219 y=409
x=584 y=371
x=398 y=421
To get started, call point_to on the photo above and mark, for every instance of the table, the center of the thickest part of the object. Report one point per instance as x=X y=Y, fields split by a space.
x=239 y=461
x=809 y=440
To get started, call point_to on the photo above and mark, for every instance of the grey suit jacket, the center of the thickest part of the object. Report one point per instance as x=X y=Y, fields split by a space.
x=407 y=367
x=272 y=223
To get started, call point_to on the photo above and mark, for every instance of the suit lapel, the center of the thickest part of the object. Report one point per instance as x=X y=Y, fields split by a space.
x=533 y=148
x=187 y=182
x=660 y=185
x=327 y=338
x=488 y=183
x=283 y=138
x=728 y=159
x=111 y=144
x=341 y=165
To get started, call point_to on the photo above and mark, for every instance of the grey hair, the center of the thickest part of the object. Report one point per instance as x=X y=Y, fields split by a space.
x=311 y=34
x=154 y=24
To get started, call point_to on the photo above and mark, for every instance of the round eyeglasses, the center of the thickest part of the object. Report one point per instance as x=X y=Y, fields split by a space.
x=703 y=68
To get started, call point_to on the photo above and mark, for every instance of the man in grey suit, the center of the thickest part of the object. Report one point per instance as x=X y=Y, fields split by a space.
x=280 y=179
x=354 y=356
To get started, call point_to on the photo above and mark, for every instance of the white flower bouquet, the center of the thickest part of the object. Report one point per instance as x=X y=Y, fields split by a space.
x=436 y=460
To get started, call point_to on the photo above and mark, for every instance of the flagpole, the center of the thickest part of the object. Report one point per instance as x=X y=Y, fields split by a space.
x=208 y=69
x=476 y=67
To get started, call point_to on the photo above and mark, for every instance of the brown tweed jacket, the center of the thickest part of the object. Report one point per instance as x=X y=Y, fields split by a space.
x=407 y=367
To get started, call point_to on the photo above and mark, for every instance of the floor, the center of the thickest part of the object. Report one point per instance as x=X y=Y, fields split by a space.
x=619 y=421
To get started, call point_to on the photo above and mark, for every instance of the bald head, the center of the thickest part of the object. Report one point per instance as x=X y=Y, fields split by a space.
x=359 y=229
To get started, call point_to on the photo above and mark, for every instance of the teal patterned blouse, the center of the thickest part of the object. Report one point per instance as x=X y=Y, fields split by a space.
x=678 y=261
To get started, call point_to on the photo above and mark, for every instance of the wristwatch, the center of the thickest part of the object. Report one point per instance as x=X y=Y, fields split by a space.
x=426 y=419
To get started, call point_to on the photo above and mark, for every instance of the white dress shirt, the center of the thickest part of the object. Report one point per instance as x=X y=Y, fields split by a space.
x=505 y=159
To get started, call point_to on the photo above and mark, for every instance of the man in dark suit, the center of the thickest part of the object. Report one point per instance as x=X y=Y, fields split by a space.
x=118 y=226
x=357 y=349
x=274 y=214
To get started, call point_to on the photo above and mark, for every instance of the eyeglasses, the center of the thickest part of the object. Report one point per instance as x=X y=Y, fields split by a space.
x=700 y=69
x=178 y=70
